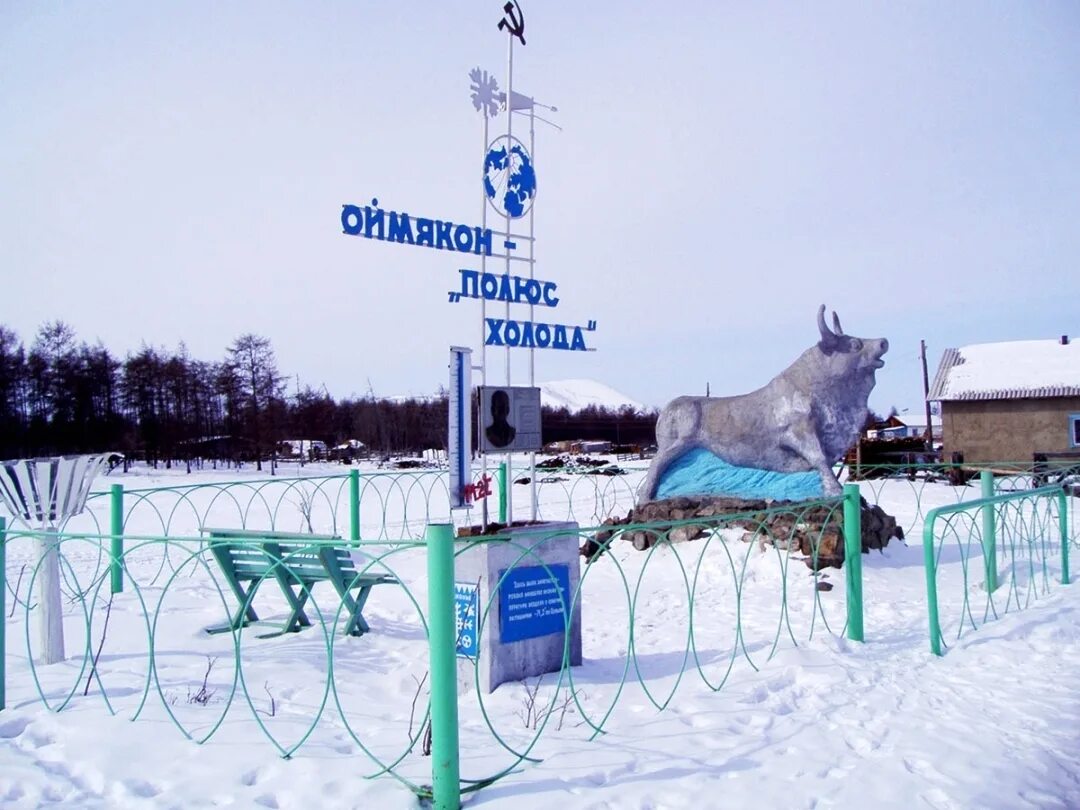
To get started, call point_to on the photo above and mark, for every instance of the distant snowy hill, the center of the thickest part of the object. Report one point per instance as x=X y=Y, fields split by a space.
x=578 y=394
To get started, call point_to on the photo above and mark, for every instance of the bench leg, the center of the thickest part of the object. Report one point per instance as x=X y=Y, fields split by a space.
x=356 y=626
x=243 y=618
x=245 y=614
x=297 y=619
x=236 y=622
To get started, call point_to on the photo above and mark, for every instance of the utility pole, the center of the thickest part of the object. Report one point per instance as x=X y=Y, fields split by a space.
x=926 y=397
x=298 y=410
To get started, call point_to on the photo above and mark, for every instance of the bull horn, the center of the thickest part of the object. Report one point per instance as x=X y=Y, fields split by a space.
x=826 y=335
x=836 y=324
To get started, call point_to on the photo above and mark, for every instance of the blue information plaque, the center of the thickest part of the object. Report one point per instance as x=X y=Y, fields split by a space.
x=466 y=613
x=533 y=602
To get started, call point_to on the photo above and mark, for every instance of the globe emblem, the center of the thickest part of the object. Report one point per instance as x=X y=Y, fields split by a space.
x=509 y=177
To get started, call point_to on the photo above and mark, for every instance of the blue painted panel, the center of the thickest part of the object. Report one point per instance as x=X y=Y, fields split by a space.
x=532 y=602
x=700 y=472
x=466 y=610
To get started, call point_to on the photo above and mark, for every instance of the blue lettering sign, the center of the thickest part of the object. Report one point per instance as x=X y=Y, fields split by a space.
x=529 y=335
x=533 y=602
x=508 y=288
x=372 y=222
x=466 y=616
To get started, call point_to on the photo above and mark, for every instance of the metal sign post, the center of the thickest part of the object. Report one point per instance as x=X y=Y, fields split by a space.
x=509 y=186
x=459 y=430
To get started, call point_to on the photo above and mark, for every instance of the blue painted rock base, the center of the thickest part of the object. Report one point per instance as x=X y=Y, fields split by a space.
x=700 y=472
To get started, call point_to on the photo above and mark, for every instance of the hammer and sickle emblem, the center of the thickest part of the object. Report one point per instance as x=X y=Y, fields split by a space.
x=516 y=22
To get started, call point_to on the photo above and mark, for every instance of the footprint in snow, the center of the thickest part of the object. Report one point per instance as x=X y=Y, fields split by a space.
x=13 y=728
x=141 y=788
x=249 y=778
x=922 y=769
x=939 y=800
x=36 y=739
x=864 y=746
x=12 y=793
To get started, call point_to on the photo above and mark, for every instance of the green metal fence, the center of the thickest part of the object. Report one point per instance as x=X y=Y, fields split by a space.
x=372 y=505
x=376 y=506
x=165 y=648
x=747 y=586
x=398 y=506
x=1010 y=547
x=929 y=486
x=143 y=652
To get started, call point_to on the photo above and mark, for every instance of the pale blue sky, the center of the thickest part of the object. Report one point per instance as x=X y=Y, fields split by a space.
x=176 y=171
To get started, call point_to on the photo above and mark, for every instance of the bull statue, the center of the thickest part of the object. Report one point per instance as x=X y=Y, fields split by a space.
x=801 y=422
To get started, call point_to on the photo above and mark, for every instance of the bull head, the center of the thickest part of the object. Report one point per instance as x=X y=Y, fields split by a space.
x=834 y=340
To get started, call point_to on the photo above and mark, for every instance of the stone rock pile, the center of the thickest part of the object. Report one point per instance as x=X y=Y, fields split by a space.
x=816 y=532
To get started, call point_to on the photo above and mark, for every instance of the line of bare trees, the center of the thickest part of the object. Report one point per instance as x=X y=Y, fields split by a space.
x=60 y=395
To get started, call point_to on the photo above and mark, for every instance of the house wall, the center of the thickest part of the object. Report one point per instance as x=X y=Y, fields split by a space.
x=1007 y=429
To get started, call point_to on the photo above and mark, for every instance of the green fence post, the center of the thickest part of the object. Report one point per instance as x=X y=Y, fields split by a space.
x=502 y=493
x=853 y=560
x=989 y=521
x=1063 y=525
x=931 y=583
x=3 y=612
x=354 y=506
x=116 y=529
x=442 y=645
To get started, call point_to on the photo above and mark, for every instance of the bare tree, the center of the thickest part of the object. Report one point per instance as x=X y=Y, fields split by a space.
x=252 y=361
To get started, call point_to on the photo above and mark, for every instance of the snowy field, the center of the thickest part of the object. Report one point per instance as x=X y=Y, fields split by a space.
x=785 y=712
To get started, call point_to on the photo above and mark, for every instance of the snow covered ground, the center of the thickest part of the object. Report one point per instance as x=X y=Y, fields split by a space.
x=790 y=714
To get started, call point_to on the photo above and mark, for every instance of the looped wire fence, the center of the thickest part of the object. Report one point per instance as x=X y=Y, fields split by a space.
x=685 y=614
x=1010 y=549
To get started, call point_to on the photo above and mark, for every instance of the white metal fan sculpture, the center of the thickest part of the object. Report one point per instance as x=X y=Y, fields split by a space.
x=44 y=492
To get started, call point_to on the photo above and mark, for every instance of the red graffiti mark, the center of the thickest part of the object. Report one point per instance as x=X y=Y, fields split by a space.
x=478 y=491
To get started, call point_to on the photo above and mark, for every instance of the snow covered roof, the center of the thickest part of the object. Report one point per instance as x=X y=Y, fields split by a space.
x=1021 y=369
x=919 y=420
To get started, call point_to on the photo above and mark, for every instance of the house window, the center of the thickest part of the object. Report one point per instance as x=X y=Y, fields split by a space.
x=1074 y=430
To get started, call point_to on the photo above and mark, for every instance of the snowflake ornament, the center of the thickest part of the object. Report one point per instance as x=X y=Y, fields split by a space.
x=485 y=92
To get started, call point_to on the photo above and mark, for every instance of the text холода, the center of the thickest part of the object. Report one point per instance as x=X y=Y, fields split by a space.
x=527 y=334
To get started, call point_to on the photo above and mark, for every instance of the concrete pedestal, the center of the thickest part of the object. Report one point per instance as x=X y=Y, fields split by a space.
x=525 y=631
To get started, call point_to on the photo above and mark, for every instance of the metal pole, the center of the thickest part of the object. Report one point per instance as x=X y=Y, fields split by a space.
x=989 y=527
x=509 y=142
x=116 y=529
x=532 y=275
x=354 y=506
x=502 y=493
x=3 y=612
x=51 y=621
x=442 y=646
x=931 y=584
x=1063 y=526
x=853 y=560
x=483 y=333
x=926 y=398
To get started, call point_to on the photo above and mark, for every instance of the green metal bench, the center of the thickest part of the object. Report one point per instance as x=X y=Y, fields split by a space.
x=296 y=562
